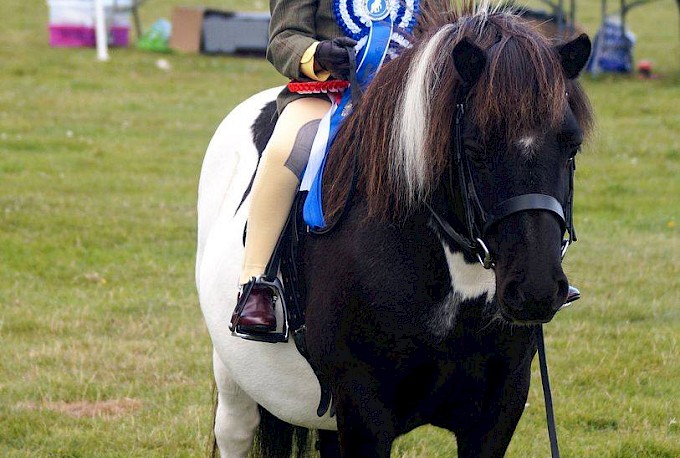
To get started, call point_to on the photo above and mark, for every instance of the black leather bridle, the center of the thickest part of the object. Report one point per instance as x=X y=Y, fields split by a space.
x=476 y=220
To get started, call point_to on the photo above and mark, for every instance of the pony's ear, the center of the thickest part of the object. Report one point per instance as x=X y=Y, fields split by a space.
x=469 y=60
x=574 y=55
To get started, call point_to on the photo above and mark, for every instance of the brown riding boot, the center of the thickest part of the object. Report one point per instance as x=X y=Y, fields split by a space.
x=258 y=312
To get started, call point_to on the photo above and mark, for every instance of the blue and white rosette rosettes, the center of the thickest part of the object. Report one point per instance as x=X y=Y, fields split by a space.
x=356 y=16
x=381 y=28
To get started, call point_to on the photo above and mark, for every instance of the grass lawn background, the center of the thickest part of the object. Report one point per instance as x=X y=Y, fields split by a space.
x=104 y=350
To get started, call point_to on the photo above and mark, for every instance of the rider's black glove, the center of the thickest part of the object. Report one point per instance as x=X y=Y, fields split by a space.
x=331 y=55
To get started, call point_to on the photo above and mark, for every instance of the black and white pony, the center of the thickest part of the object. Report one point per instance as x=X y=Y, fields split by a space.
x=462 y=147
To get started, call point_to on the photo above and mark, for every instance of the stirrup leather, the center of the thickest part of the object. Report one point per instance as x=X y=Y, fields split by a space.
x=277 y=297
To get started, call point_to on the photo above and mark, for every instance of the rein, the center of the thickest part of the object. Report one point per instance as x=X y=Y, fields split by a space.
x=547 y=394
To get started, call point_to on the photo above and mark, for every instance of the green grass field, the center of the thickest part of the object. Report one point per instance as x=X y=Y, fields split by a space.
x=104 y=350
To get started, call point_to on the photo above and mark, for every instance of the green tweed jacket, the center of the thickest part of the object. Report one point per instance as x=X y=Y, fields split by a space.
x=294 y=26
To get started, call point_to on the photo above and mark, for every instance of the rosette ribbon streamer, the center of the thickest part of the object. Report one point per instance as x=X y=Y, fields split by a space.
x=377 y=26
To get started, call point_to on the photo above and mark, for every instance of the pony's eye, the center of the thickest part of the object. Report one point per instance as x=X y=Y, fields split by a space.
x=573 y=149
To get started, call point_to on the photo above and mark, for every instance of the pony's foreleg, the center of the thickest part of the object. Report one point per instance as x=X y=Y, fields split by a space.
x=329 y=447
x=236 y=416
x=490 y=436
x=365 y=422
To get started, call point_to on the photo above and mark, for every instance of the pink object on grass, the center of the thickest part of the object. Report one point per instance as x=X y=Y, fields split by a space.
x=75 y=36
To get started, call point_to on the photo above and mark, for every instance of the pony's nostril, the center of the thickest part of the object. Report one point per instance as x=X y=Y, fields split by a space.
x=562 y=288
x=513 y=295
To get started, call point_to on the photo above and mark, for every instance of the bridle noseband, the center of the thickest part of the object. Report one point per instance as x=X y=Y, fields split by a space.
x=476 y=220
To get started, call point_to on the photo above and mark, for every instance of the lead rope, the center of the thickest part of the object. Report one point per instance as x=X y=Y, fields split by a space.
x=545 y=381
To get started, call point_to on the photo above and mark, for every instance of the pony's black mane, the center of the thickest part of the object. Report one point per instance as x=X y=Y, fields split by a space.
x=406 y=115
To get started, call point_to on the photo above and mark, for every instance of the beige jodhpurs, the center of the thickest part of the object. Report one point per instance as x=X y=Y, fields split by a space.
x=275 y=185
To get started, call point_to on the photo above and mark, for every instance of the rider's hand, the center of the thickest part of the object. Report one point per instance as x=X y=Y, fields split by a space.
x=331 y=55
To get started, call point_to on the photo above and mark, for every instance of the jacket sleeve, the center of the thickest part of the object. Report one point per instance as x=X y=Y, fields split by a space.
x=292 y=30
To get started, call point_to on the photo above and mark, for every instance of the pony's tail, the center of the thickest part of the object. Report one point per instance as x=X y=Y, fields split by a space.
x=211 y=449
x=277 y=439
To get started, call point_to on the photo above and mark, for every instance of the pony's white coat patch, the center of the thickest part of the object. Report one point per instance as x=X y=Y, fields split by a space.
x=247 y=373
x=470 y=281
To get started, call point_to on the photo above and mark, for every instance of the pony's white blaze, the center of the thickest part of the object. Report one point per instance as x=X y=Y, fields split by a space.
x=411 y=125
x=527 y=145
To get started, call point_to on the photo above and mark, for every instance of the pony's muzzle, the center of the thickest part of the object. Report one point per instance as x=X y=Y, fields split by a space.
x=533 y=302
x=531 y=284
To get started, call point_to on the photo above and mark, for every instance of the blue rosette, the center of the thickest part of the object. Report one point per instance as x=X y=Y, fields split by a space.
x=356 y=16
x=381 y=28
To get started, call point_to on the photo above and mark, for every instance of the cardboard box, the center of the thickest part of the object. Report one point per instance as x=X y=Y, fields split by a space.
x=203 y=30
x=229 y=33
x=187 y=29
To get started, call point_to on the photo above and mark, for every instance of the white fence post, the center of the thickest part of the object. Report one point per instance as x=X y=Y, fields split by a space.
x=101 y=32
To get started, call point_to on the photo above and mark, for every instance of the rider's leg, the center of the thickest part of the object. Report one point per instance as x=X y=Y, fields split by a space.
x=273 y=192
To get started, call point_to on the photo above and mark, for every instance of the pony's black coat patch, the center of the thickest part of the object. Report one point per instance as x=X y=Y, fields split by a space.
x=263 y=126
x=262 y=130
